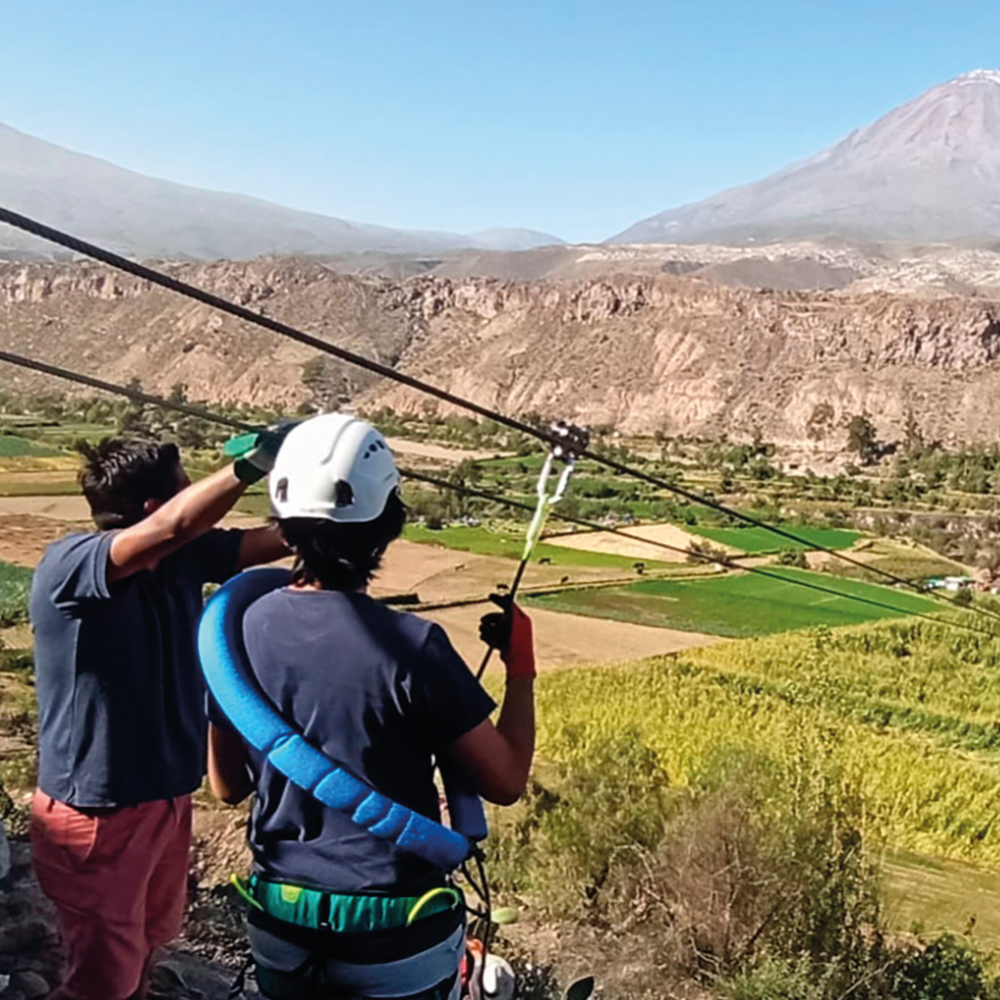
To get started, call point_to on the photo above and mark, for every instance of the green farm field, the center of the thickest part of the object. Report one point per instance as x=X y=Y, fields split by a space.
x=15 y=584
x=12 y=446
x=486 y=542
x=759 y=541
x=740 y=605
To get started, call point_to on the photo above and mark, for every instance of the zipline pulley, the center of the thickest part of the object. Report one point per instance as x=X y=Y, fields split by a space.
x=568 y=443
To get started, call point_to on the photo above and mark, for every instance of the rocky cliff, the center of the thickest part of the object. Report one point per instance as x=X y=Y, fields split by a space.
x=643 y=353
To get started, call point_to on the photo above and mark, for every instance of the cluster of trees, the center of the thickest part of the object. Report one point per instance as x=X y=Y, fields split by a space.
x=37 y=413
x=752 y=460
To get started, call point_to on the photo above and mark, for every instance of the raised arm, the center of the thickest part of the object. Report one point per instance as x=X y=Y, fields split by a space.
x=195 y=510
x=261 y=546
x=498 y=758
x=175 y=523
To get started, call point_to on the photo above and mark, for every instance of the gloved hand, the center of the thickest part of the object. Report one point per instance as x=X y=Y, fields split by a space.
x=510 y=632
x=255 y=453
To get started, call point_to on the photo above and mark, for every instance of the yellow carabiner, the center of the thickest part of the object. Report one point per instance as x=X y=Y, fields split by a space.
x=428 y=896
x=239 y=885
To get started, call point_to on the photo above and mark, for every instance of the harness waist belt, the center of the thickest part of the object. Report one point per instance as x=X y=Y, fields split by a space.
x=343 y=913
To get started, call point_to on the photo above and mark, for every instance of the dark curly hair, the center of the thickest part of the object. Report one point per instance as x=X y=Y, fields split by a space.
x=119 y=476
x=342 y=556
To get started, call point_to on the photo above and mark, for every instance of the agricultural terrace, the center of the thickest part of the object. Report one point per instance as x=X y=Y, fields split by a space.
x=901 y=711
x=759 y=541
x=740 y=604
x=920 y=793
x=508 y=542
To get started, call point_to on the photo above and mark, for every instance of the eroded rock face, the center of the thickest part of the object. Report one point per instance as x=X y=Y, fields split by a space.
x=647 y=354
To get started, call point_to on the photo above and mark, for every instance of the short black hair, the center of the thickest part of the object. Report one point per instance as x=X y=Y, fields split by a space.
x=120 y=475
x=342 y=555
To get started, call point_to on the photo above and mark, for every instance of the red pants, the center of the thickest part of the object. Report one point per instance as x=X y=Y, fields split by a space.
x=118 y=879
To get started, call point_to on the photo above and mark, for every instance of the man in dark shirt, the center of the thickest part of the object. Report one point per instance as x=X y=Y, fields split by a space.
x=380 y=692
x=122 y=738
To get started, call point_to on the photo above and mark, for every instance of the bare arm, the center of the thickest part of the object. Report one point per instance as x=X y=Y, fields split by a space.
x=499 y=757
x=180 y=520
x=228 y=767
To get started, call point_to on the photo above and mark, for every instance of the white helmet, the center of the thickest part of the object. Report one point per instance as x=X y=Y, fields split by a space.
x=335 y=467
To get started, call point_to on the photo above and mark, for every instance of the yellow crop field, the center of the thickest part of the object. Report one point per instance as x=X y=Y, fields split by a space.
x=921 y=789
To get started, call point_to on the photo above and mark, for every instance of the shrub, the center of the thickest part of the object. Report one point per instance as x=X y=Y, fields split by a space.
x=610 y=800
x=793 y=557
x=947 y=969
x=756 y=861
x=701 y=552
x=764 y=858
x=963 y=597
x=775 y=979
x=15 y=587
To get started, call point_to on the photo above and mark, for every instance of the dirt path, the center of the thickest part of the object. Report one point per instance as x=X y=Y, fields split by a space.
x=60 y=508
x=24 y=537
x=606 y=541
x=439 y=574
x=445 y=453
x=571 y=640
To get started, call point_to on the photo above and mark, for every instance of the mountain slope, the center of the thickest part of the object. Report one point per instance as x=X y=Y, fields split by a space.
x=145 y=217
x=929 y=170
x=514 y=239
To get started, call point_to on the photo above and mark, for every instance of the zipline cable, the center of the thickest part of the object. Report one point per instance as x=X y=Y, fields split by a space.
x=188 y=410
x=136 y=395
x=39 y=229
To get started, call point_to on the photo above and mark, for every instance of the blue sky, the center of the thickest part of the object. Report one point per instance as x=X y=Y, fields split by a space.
x=575 y=117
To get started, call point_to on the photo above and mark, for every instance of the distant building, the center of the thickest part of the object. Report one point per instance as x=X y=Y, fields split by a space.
x=952 y=583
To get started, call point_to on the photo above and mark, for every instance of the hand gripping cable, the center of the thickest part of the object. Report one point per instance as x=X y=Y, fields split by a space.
x=226 y=668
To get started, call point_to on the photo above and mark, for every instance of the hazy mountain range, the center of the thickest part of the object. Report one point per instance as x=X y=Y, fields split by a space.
x=929 y=170
x=145 y=217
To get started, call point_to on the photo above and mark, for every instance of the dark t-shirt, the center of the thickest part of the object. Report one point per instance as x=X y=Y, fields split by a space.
x=378 y=691
x=120 y=693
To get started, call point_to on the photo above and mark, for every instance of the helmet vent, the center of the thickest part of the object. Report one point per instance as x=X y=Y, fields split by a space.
x=281 y=490
x=344 y=493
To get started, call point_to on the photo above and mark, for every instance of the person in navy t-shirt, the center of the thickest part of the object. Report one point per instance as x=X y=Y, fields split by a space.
x=384 y=694
x=122 y=733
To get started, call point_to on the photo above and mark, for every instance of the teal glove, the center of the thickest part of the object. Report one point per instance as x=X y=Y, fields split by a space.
x=255 y=453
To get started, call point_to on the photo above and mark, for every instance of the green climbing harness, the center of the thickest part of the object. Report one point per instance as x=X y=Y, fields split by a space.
x=342 y=913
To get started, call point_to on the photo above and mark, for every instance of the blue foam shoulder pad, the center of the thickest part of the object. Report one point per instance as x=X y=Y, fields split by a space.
x=226 y=667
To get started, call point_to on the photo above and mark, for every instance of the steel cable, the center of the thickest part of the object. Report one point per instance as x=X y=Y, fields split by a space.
x=188 y=410
x=39 y=229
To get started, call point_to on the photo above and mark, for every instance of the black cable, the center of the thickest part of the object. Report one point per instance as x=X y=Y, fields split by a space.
x=773 y=528
x=488 y=928
x=155 y=277
x=184 y=408
x=136 y=395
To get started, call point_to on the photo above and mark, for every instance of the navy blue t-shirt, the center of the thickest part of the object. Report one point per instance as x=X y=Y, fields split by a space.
x=379 y=691
x=121 y=715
